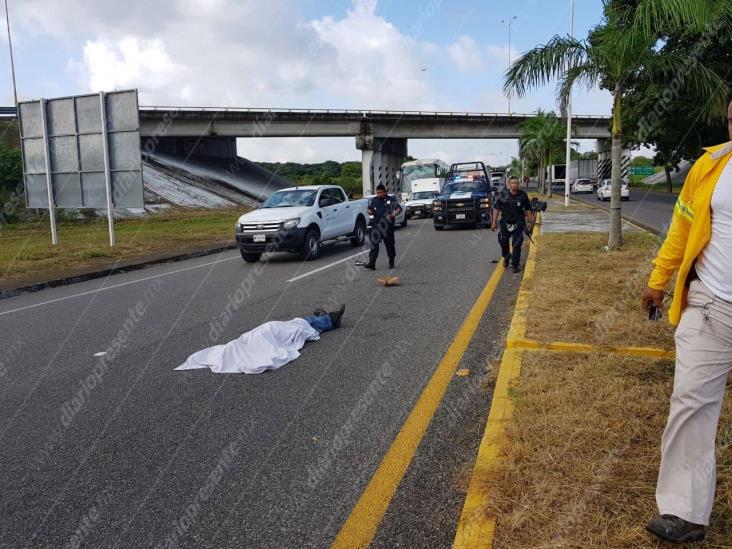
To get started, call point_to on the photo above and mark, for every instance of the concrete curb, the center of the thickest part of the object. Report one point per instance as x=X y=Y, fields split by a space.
x=82 y=277
x=476 y=528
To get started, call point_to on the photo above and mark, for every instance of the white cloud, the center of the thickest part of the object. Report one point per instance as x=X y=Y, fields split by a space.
x=129 y=62
x=466 y=55
x=499 y=55
x=375 y=64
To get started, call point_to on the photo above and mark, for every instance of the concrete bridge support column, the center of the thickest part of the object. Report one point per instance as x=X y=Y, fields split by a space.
x=381 y=159
x=605 y=161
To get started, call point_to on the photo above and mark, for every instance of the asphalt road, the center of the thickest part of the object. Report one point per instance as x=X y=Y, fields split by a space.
x=652 y=209
x=123 y=451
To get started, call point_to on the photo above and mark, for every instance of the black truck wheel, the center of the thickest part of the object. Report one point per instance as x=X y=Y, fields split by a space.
x=311 y=247
x=359 y=234
x=250 y=257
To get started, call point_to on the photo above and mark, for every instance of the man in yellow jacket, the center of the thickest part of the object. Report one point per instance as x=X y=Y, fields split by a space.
x=699 y=248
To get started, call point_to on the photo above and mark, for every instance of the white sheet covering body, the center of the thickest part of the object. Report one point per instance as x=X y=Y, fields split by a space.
x=266 y=347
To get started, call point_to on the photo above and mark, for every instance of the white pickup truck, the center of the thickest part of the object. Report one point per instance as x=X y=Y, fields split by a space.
x=301 y=219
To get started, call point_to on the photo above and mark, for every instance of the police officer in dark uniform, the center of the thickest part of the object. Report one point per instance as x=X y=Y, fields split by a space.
x=384 y=208
x=514 y=208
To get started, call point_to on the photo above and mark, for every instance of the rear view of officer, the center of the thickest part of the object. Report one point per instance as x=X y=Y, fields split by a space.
x=384 y=208
x=514 y=208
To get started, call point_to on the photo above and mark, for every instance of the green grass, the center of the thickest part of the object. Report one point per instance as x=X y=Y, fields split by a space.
x=26 y=252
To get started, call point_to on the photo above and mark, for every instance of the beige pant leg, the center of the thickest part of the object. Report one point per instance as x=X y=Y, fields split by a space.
x=687 y=476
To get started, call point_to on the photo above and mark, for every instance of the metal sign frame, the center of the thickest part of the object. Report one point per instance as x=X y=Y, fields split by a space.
x=82 y=152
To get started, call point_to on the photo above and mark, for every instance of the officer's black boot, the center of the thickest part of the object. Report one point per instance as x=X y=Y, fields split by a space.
x=371 y=265
x=506 y=260
x=391 y=262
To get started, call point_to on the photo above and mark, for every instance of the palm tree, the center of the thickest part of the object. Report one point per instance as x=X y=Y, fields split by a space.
x=542 y=137
x=621 y=51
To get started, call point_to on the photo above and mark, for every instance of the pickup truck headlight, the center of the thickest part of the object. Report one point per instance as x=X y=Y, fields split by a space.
x=485 y=201
x=291 y=223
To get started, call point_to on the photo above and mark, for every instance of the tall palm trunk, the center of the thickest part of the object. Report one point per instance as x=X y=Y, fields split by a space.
x=549 y=180
x=615 y=239
x=542 y=173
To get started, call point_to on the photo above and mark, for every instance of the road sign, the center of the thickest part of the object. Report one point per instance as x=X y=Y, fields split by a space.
x=82 y=152
x=641 y=170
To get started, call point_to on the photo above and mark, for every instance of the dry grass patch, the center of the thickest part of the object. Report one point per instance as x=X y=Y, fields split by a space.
x=583 y=453
x=26 y=251
x=581 y=293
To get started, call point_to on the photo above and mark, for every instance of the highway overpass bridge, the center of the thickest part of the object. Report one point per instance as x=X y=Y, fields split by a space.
x=381 y=135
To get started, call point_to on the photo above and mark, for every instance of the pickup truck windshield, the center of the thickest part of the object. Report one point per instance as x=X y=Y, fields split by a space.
x=289 y=199
x=463 y=187
x=422 y=195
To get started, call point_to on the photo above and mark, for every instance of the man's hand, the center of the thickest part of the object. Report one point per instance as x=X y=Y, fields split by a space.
x=652 y=297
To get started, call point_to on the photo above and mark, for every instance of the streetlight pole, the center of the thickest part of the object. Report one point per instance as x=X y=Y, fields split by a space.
x=12 y=63
x=510 y=22
x=568 y=157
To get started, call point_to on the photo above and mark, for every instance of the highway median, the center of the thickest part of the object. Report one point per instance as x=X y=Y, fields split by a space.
x=29 y=261
x=571 y=450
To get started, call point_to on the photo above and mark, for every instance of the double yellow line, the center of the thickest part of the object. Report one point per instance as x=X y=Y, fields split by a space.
x=361 y=525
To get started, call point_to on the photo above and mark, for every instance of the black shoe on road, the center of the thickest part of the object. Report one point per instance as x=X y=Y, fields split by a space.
x=335 y=317
x=391 y=263
x=370 y=266
x=675 y=529
x=516 y=269
x=505 y=262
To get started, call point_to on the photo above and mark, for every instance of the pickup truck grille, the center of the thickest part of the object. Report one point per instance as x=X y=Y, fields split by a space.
x=260 y=227
x=453 y=209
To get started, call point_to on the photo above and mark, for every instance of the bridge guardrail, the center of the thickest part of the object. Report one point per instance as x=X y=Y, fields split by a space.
x=155 y=108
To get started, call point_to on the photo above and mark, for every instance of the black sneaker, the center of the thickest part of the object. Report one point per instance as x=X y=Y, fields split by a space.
x=516 y=269
x=391 y=263
x=335 y=316
x=674 y=529
x=505 y=261
x=370 y=266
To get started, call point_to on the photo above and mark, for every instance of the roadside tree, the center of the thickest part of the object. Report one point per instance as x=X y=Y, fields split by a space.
x=618 y=54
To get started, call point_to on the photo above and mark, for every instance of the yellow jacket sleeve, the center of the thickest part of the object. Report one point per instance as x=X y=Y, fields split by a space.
x=671 y=253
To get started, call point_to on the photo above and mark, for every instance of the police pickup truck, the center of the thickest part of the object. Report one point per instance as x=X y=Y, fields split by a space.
x=465 y=199
x=301 y=219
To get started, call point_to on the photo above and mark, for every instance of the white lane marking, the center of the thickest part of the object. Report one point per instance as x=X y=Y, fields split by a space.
x=327 y=266
x=115 y=286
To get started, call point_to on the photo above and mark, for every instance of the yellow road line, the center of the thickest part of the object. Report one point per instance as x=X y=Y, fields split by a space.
x=475 y=528
x=360 y=527
x=565 y=346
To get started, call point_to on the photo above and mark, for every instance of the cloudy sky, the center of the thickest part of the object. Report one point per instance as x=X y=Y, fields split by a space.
x=359 y=54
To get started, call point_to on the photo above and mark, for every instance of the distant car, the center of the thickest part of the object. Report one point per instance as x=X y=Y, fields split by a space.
x=582 y=186
x=604 y=190
x=420 y=204
x=401 y=218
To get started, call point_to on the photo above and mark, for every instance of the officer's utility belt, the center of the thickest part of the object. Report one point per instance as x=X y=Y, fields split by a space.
x=510 y=227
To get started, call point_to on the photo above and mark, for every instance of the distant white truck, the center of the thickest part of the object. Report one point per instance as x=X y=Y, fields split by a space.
x=302 y=219
x=414 y=174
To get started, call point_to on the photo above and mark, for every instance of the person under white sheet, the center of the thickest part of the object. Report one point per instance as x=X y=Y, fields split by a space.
x=266 y=347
